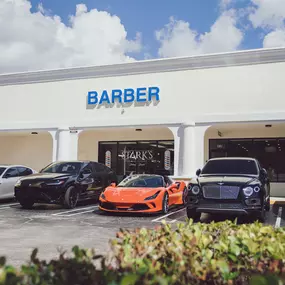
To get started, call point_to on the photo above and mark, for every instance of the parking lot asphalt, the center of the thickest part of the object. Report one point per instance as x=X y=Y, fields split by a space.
x=51 y=228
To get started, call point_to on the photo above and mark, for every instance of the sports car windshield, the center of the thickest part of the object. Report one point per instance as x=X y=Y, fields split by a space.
x=63 y=167
x=230 y=166
x=142 y=181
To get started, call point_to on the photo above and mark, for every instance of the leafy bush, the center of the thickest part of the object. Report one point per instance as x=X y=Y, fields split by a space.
x=216 y=253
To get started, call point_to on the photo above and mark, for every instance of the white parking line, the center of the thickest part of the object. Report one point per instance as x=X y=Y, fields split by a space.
x=278 y=220
x=79 y=213
x=167 y=215
x=8 y=205
x=74 y=210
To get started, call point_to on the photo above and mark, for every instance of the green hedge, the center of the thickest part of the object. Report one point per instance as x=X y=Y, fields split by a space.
x=216 y=253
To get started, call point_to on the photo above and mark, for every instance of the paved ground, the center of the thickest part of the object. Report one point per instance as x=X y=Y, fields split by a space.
x=51 y=228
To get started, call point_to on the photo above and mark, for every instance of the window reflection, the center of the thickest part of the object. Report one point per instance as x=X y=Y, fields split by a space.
x=269 y=151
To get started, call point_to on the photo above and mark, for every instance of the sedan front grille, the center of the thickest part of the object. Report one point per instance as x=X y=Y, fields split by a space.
x=220 y=191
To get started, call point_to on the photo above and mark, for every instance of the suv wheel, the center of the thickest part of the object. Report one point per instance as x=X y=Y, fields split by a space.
x=71 y=197
x=26 y=204
x=262 y=215
x=192 y=214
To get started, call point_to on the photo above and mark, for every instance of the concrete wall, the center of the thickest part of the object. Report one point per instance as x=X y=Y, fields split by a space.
x=34 y=151
x=184 y=96
x=89 y=140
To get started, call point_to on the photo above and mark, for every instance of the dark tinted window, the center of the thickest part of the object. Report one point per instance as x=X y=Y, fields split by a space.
x=63 y=167
x=230 y=166
x=24 y=171
x=2 y=169
x=11 y=172
x=142 y=181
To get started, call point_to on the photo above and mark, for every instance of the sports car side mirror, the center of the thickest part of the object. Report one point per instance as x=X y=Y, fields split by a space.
x=198 y=172
x=113 y=184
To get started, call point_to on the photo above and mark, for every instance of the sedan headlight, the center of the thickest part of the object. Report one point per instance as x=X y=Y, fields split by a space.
x=248 y=191
x=153 y=196
x=18 y=183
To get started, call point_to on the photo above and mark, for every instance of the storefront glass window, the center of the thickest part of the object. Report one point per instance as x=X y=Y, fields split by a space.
x=269 y=151
x=128 y=157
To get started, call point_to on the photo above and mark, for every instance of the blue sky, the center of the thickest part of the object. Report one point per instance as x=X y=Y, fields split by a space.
x=148 y=16
x=34 y=38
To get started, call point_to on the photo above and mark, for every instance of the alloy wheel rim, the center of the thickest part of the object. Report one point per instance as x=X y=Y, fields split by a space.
x=73 y=199
x=166 y=204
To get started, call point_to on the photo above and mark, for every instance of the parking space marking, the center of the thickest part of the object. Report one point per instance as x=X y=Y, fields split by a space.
x=74 y=210
x=79 y=213
x=167 y=215
x=278 y=219
x=4 y=206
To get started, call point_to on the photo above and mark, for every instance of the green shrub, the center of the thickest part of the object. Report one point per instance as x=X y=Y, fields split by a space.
x=216 y=253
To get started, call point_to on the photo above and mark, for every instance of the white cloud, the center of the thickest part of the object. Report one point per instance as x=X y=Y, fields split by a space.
x=275 y=39
x=270 y=16
x=268 y=13
x=178 y=39
x=32 y=41
x=224 y=4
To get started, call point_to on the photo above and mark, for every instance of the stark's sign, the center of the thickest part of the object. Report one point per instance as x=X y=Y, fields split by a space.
x=138 y=154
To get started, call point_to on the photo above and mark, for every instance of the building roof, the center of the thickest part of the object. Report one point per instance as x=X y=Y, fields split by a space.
x=236 y=58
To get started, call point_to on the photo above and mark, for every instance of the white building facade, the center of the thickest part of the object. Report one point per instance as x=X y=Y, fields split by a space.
x=159 y=115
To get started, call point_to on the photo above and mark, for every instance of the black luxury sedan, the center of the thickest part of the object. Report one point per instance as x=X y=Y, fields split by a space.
x=228 y=185
x=65 y=183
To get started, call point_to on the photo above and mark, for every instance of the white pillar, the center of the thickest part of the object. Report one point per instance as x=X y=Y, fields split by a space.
x=65 y=144
x=177 y=152
x=54 y=145
x=192 y=144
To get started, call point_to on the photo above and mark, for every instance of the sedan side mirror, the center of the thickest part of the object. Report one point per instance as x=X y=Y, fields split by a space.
x=198 y=172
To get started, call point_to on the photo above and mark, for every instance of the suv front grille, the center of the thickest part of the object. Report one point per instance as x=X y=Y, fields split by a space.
x=220 y=191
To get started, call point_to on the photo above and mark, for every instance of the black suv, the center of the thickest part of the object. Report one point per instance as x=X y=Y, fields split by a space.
x=64 y=182
x=231 y=186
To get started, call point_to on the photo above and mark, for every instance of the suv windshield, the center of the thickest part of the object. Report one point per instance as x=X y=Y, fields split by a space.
x=230 y=166
x=142 y=181
x=2 y=169
x=63 y=167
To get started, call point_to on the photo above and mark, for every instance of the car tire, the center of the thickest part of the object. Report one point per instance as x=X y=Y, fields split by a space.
x=165 y=204
x=261 y=216
x=26 y=204
x=71 y=197
x=192 y=214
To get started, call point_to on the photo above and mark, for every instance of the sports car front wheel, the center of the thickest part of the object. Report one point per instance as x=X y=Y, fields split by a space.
x=165 y=204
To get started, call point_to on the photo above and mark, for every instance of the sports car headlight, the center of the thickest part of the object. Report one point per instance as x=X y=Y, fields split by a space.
x=153 y=196
x=103 y=196
x=248 y=191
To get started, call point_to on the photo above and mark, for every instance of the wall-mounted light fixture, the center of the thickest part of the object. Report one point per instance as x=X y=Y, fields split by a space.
x=34 y=133
x=138 y=130
x=268 y=126
x=219 y=134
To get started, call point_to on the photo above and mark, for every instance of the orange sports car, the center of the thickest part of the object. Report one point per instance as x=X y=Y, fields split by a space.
x=143 y=193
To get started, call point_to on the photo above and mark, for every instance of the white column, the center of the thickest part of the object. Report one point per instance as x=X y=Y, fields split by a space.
x=177 y=152
x=192 y=144
x=54 y=145
x=65 y=144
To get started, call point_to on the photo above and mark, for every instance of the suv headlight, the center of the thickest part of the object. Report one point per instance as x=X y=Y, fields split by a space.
x=194 y=188
x=248 y=191
x=55 y=183
x=256 y=189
